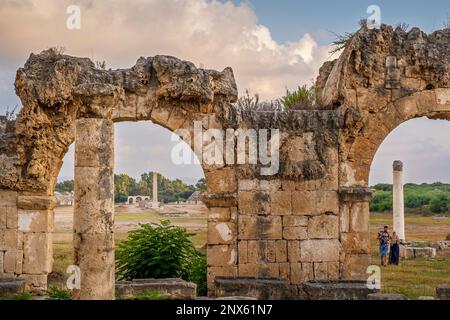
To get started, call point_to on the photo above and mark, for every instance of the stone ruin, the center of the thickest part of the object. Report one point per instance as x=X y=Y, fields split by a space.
x=310 y=221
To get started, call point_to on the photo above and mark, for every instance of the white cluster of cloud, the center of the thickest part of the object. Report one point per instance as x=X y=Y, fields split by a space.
x=212 y=34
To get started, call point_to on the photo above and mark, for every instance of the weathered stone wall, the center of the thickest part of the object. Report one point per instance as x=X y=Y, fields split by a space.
x=309 y=221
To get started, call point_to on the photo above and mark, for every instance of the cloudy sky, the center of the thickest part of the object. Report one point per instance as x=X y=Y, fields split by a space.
x=270 y=45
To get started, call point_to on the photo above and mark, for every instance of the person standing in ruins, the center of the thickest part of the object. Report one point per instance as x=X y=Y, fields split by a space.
x=383 y=238
x=394 y=255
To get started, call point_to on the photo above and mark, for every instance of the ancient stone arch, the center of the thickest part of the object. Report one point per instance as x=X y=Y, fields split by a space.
x=308 y=221
x=137 y=199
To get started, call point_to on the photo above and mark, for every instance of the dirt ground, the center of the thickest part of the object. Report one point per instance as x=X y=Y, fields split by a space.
x=129 y=217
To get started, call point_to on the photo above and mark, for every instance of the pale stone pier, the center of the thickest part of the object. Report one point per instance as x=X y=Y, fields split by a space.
x=398 y=202
x=94 y=207
x=155 y=191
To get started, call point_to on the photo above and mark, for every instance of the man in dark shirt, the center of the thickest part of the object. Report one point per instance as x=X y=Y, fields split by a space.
x=383 y=237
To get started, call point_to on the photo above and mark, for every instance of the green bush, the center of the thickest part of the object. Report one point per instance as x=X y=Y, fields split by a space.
x=197 y=273
x=55 y=293
x=440 y=204
x=160 y=251
x=22 y=296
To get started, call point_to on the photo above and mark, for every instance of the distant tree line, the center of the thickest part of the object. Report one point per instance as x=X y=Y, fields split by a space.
x=124 y=186
x=433 y=197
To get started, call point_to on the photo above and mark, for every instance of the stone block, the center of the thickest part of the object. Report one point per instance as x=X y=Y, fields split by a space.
x=359 y=217
x=281 y=251
x=242 y=252
x=333 y=270
x=224 y=271
x=295 y=233
x=254 y=202
x=221 y=255
x=37 y=253
x=177 y=118
x=281 y=203
x=386 y=296
x=295 y=221
x=337 y=290
x=259 y=270
x=221 y=232
x=35 y=282
x=2 y=218
x=325 y=226
x=218 y=214
x=260 y=227
x=220 y=199
x=221 y=180
x=443 y=96
x=259 y=288
x=8 y=239
x=355 y=242
x=285 y=271
x=94 y=145
x=160 y=115
x=1 y=261
x=293 y=251
x=144 y=107
x=11 y=287
x=36 y=202
x=248 y=185
x=35 y=220
x=319 y=250
x=355 y=266
x=296 y=273
x=11 y=217
x=270 y=186
x=95 y=252
x=443 y=292
x=320 y=270
x=344 y=217
x=9 y=261
x=174 y=289
x=19 y=262
x=314 y=202
x=8 y=198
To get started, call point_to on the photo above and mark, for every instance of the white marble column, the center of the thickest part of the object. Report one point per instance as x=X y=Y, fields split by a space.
x=398 y=202
x=155 y=190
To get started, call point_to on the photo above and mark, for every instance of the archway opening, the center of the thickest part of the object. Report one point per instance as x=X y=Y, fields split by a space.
x=422 y=145
x=136 y=158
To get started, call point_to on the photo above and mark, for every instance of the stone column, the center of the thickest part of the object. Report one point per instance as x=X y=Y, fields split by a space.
x=94 y=208
x=354 y=232
x=155 y=191
x=398 y=203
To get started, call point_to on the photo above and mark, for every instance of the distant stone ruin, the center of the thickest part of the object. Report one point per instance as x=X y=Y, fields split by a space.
x=310 y=221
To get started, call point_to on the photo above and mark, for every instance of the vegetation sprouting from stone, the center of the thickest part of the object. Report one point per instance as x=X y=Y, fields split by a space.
x=160 y=251
x=250 y=102
x=302 y=98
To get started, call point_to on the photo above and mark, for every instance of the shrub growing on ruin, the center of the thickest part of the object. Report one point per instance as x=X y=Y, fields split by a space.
x=160 y=251
x=302 y=98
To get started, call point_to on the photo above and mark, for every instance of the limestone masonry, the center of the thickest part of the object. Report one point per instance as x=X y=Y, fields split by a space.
x=307 y=222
